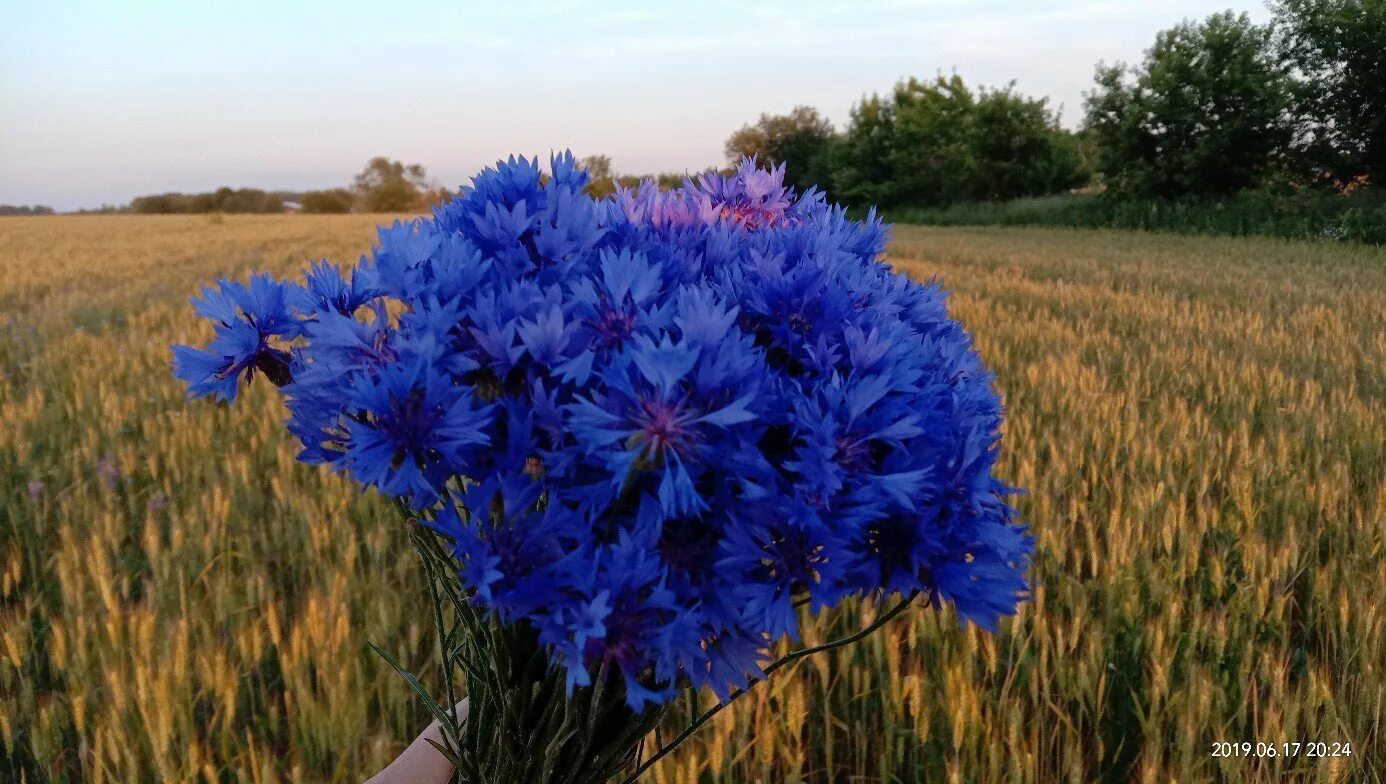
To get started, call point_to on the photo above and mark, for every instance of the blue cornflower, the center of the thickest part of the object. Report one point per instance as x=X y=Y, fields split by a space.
x=408 y=430
x=649 y=426
x=629 y=619
x=325 y=288
x=248 y=322
x=515 y=556
x=752 y=197
x=779 y=554
x=648 y=420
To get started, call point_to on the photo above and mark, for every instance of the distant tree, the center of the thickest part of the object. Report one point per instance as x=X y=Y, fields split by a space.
x=204 y=202
x=335 y=200
x=664 y=180
x=24 y=209
x=1338 y=48
x=222 y=200
x=1205 y=114
x=931 y=148
x=935 y=142
x=801 y=140
x=159 y=203
x=391 y=186
x=1020 y=149
x=603 y=182
x=232 y=200
x=862 y=169
x=668 y=181
x=248 y=200
x=436 y=196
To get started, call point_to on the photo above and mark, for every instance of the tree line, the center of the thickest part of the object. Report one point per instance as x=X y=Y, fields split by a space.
x=604 y=179
x=927 y=142
x=1214 y=108
x=384 y=185
x=25 y=209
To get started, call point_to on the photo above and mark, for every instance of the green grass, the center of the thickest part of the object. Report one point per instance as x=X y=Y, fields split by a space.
x=1199 y=422
x=1307 y=215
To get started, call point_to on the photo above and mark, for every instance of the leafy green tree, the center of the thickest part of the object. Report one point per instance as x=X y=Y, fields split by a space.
x=603 y=182
x=664 y=180
x=1338 y=48
x=247 y=200
x=335 y=200
x=154 y=204
x=668 y=181
x=935 y=142
x=932 y=152
x=229 y=200
x=1020 y=149
x=1205 y=114
x=801 y=140
x=862 y=172
x=391 y=186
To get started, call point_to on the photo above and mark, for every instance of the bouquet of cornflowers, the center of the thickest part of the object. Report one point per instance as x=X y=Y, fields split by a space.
x=637 y=435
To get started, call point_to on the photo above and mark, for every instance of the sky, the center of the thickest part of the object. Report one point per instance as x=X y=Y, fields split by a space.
x=102 y=101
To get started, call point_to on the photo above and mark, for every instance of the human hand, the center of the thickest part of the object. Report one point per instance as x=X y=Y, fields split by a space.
x=422 y=763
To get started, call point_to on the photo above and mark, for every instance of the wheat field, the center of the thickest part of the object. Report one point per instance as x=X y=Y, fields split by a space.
x=1201 y=424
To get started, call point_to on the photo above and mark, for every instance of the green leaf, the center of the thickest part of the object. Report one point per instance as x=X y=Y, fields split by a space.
x=437 y=710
